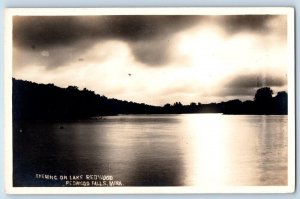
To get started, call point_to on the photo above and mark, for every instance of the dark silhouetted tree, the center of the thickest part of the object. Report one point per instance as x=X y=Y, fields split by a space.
x=73 y=88
x=280 y=102
x=178 y=108
x=232 y=107
x=263 y=100
x=263 y=94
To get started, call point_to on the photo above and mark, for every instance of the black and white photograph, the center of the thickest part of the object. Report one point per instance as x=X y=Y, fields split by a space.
x=170 y=100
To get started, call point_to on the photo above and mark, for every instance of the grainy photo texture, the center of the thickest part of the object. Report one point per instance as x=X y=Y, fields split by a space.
x=196 y=100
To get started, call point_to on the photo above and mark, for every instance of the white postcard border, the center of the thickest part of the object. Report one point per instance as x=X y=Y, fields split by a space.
x=9 y=13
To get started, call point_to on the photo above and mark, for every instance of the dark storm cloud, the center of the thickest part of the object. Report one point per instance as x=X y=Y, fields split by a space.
x=247 y=84
x=142 y=33
x=236 y=92
x=254 y=81
x=237 y=23
x=149 y=37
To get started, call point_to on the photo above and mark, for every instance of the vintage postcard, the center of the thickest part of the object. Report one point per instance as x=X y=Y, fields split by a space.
x=149 y=100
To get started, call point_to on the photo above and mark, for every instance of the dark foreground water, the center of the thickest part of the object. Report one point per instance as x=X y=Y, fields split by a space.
x=152 y=150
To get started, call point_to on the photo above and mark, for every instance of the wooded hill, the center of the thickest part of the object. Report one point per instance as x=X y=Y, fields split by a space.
x=32 y=101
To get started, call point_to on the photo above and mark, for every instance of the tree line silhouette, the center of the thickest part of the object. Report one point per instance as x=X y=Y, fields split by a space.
x=32 y=101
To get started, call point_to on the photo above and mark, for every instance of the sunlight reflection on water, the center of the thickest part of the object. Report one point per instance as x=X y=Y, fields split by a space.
x=158 y=150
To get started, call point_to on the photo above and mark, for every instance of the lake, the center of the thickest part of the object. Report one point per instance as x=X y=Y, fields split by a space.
x=154 y=150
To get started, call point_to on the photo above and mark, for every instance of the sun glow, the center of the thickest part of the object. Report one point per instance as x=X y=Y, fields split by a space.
x=201 y=61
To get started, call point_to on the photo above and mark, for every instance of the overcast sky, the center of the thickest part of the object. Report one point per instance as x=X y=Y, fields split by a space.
x=154 y=59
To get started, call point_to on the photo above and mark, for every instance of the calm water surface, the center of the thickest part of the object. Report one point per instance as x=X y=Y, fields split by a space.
x=156 y=150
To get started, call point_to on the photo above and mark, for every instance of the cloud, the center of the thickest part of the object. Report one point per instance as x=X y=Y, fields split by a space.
x=256 y=81
x=149 y=37
x=254 y=23
x=156 y=52
x=247 y=84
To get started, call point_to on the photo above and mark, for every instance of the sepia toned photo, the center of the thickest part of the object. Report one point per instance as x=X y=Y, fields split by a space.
x=160 y=100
